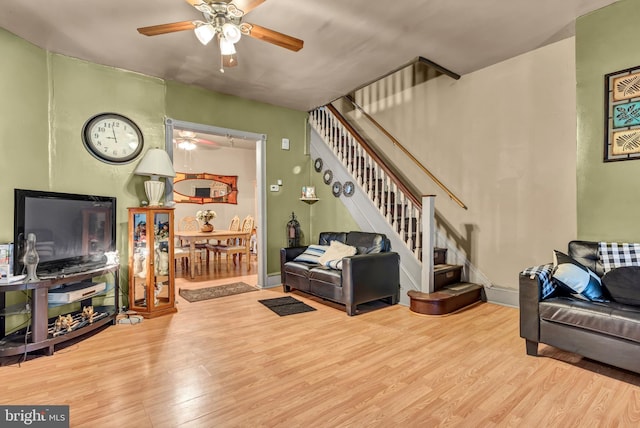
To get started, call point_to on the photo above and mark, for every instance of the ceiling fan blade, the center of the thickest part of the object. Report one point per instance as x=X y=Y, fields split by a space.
x=155 y=30
x=271 y=36
x=194 y=2
x=244 y=5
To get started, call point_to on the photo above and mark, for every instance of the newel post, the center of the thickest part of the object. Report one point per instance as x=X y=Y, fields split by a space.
x=428 y=242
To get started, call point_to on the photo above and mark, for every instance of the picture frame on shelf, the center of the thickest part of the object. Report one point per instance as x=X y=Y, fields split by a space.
x=309 y=192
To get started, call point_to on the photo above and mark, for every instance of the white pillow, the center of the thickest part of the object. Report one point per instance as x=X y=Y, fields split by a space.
x=333 y=256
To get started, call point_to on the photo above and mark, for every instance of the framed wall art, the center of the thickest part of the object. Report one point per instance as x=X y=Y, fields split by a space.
x=622 y=119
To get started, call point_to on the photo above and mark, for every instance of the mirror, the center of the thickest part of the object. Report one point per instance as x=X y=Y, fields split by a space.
x=205 y=188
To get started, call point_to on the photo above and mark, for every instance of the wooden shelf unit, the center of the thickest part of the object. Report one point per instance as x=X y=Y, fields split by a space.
x=39 y=337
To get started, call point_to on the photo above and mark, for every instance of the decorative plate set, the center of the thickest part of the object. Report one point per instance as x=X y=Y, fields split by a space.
x=347 y=189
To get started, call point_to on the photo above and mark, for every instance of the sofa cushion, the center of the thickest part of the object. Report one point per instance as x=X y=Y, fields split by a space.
x=577 y=278
x=610 y=318
x=311 y=254
x=613 y=255
x=325 y=238
x=335 y=253
x=368 y=242
x=325 y=276
x=623 y=284
x=299 y=268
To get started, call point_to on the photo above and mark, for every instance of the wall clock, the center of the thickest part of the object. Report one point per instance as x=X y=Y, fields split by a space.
x=336 y=189
x=348 y=188
x=318 y=165
x=327 y=176
x=112 y=138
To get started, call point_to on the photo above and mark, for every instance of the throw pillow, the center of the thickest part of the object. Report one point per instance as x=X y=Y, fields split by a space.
x=622 y=284
x=312 y=254
x=335 y=253
x=576 y=277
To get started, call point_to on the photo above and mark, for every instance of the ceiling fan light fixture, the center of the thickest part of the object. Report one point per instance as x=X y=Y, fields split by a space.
x=226 y=47
x=204 y=32
x=231 y=32
x=186 y=145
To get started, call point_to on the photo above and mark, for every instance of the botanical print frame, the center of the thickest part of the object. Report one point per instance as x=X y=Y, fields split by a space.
x=622 y=119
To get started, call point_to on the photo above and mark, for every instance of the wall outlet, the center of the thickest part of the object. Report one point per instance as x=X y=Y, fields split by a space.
x=274 y=187
x=285 y=144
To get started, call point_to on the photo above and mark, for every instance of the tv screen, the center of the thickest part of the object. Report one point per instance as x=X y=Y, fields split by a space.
x=71 y=229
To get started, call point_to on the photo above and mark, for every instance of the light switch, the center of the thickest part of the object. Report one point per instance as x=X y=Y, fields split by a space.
x=285 y=144
x=279 y=182
x=274 y=187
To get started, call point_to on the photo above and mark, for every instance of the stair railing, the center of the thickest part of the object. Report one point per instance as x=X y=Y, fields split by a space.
x=396 y=203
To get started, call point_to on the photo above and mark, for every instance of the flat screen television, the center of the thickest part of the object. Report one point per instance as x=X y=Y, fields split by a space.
x=72 y=230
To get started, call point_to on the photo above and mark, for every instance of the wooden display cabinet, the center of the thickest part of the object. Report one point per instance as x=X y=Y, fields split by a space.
x=151 y=265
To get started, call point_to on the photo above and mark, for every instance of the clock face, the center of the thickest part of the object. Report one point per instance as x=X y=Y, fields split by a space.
x=112 y=138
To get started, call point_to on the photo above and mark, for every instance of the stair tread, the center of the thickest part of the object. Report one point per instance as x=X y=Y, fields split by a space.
x=445 y=268
x=447 y=292
x=447 y=300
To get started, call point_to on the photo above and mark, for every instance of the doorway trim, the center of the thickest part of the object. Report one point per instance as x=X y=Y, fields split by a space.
x=261 y=214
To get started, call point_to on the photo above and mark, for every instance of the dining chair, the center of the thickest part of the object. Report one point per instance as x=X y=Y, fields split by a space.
x=240 y=246
x=183 y=254
x=213 y=248
x=188 y=224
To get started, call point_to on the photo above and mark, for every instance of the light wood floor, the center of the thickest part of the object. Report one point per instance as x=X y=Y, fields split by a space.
x=231 y=362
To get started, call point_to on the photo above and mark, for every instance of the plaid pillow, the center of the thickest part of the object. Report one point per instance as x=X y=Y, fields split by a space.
x=614 y=255
x=544 y=276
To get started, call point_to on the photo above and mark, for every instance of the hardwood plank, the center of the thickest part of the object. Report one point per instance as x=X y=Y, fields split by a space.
x=232 y=362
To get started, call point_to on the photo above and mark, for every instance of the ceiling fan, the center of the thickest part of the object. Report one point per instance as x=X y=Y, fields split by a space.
x=223 y=20
x=188 y=140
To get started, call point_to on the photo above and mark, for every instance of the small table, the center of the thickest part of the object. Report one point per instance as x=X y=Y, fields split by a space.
x=191 y=236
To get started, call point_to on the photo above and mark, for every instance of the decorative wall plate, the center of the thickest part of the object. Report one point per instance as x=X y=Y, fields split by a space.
x=348 y=188
x=318 y=164
x=327 y=176
x=336 y=189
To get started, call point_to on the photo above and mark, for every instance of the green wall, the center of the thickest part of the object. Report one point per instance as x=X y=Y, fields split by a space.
x=608 y=193
x=48 y=97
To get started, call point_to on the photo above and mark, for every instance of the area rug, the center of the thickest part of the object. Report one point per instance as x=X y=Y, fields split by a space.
x=200 y=294
x=286 y=306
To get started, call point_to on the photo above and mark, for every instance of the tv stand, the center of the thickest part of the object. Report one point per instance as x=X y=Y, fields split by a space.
x=38 y=336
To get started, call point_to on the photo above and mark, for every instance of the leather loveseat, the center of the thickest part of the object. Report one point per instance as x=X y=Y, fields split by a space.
x=607 y=330
x=372 y=273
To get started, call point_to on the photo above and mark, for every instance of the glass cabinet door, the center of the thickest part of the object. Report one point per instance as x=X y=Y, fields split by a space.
x=151 y=264
x=140 y=261
x=163 y=262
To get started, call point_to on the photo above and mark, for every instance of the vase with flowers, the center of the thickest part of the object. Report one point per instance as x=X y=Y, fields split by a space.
x=204 y=217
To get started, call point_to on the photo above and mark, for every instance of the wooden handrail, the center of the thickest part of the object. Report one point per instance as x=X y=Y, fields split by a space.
x=405 y=151
x=367 y=148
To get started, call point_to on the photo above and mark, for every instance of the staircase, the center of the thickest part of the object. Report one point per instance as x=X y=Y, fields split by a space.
x=450 y=292
x=433 y=288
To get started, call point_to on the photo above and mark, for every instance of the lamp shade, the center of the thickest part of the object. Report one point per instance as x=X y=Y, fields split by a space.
x=231 y=32
x=204 y=33
x=156 y=162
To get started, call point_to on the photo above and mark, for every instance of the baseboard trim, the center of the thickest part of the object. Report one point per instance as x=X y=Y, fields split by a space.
x=502 y=296
x=273 y=281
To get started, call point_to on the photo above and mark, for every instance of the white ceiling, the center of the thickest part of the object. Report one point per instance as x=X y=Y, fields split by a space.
x=347 y=43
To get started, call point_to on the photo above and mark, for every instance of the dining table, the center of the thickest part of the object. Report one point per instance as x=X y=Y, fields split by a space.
x=193 y=236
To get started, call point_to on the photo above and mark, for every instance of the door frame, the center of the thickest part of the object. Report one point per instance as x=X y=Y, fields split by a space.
x=261 y=214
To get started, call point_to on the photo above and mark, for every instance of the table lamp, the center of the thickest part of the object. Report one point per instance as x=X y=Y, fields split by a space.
x=155 y=163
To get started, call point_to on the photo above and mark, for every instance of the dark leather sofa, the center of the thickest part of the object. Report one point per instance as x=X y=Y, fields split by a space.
x=608 y=332
x=372 y=274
